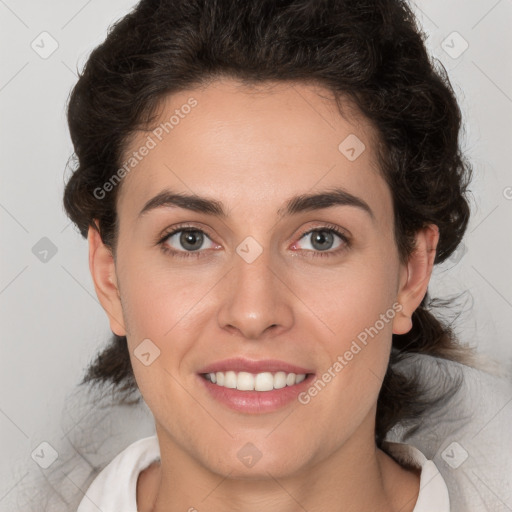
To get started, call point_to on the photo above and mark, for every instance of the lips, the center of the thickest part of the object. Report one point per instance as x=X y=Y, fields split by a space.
x=255 y=386
x=254 y=366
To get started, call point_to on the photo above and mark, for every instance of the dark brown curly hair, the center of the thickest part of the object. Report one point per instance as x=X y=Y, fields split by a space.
x=370 y=51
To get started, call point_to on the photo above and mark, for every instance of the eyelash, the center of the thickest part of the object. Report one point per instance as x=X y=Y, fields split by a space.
x=329 y=228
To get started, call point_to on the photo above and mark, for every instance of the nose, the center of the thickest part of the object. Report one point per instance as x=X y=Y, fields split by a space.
x=255 y=299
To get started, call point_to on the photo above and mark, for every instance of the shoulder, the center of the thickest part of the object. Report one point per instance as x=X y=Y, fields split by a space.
x=468 y=436
x=115 y=486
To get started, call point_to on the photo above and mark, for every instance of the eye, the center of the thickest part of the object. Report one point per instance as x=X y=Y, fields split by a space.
x=322 y=240
x=190 y=241
x=187 y=240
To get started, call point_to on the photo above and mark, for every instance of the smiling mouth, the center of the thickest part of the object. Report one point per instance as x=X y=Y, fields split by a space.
x=245 y=381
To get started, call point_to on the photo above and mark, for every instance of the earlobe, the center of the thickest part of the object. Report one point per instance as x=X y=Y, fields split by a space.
x=415 y=277
x=103 y=272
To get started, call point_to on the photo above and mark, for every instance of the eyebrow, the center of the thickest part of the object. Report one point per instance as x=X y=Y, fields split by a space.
x=295 y=205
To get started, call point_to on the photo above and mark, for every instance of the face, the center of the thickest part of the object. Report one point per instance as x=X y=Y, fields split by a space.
x=282 y=261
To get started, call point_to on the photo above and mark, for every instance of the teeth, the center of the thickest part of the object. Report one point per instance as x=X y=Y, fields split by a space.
x=245 y=381
x=280 y=380
x=230 y=380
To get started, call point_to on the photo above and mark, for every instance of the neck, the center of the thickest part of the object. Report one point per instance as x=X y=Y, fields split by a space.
x=355 y=477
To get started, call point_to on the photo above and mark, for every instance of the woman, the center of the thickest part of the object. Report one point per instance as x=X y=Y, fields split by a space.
x=265 y=187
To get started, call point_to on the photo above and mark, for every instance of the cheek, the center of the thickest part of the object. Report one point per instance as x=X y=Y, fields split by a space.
x=351 y=298
x=168 y=307
x=355 y=306
x=163 y=307
x=157 y=298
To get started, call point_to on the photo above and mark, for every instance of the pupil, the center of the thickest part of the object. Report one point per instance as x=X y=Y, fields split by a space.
x=191 y=240
x=321 y=237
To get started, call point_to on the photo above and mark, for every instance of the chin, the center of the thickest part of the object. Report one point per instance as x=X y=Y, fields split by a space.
x=252 y=463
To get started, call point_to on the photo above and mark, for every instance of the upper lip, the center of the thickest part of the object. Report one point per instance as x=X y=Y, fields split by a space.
x=238 y=364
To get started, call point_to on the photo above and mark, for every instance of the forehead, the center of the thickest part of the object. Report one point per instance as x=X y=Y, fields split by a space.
x=254 y=143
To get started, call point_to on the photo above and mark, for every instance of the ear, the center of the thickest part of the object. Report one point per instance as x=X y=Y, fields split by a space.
x=415 y=276
x=103 y=272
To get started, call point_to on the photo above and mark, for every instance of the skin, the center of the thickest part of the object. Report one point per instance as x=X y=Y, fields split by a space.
x=252 y=149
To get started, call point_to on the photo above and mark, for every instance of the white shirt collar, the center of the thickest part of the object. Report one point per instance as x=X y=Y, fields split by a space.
x=433 y=495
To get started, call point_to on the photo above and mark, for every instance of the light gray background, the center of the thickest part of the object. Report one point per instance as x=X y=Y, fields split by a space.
x=51 y=321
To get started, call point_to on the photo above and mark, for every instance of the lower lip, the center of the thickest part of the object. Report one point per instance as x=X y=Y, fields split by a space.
x=256 y=402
